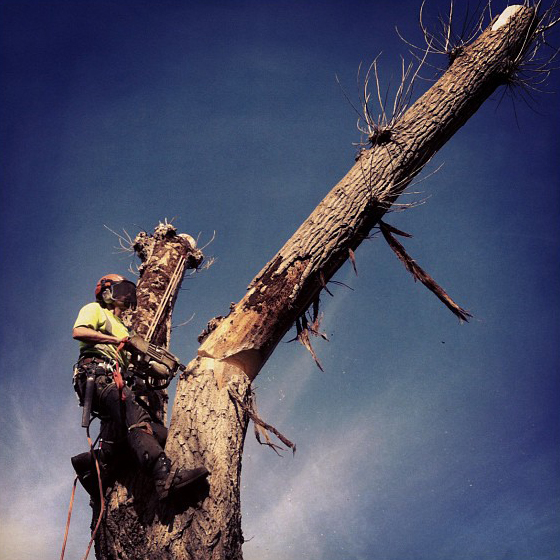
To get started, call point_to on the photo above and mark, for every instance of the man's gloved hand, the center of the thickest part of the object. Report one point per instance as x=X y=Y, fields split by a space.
x=137 y=345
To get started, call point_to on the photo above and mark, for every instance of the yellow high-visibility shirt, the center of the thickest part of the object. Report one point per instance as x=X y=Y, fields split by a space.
x=99 y=319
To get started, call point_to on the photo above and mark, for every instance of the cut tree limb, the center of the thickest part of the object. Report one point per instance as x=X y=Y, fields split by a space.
x=292 y=279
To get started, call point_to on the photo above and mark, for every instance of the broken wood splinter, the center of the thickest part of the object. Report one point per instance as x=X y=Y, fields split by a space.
x=418 y=273
x=260 y=425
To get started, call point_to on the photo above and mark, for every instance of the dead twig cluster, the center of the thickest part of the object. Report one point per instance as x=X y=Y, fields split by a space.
x=377 y=115
x=126 y=246
x=447 y=38
x=126 y=243
x=530 y=69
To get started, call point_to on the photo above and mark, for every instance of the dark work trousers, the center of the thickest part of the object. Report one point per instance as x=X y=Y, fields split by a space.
x=121 y=420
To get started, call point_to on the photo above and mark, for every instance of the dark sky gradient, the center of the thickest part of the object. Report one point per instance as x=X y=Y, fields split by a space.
x=424 y=439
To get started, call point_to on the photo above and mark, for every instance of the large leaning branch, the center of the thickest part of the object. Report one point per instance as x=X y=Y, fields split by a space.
x=288 y=284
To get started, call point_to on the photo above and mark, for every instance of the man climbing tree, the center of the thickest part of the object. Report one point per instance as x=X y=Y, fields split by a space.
x=214 y=398
x=99 y=380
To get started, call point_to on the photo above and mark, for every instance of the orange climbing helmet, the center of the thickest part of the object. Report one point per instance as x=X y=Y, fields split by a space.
x=113 y=288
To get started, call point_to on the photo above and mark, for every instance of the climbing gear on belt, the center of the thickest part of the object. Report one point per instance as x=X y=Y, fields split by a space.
x=95 y=359
x=142 y=426
x=117 y=376
x=88 y=398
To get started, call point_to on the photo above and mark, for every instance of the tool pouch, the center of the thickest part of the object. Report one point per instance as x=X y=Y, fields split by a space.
x=88 y=398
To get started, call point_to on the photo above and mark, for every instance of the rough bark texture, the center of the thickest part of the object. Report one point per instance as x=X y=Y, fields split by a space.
x=161 y=254
x=208 y=525
x=208 y=426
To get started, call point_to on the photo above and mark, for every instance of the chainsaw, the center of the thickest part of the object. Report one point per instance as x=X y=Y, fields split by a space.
x=155 y=365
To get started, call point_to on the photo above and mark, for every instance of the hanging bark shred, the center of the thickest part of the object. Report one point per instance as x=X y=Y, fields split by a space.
x=303 y=331
x=310 y=326
x=260 y=425
x=353 y=260
x=417 y=272
x=324 y=283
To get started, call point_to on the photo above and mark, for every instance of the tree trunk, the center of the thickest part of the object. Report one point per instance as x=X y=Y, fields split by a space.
x=130 y=503
x=208 y=422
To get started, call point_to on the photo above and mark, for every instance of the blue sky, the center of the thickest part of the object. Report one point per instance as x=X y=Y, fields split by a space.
x=424 y=438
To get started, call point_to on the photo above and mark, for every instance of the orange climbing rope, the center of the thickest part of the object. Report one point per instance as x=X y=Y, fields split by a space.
x=101 y=495
x=69 y=516
x=70 y=507
x=117 y=375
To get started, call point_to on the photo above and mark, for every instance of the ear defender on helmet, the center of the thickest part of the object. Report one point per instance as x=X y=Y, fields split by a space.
x=106 y=296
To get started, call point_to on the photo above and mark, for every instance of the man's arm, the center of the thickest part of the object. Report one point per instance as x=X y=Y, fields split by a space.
x=91 y=336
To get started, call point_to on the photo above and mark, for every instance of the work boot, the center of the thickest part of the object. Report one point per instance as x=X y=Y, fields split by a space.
x=84 y=465
x=170 y=480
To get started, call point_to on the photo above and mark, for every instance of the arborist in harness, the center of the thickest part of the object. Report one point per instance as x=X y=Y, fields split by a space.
x=106 y=351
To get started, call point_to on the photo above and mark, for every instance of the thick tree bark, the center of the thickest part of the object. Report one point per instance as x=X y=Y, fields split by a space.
x=208 y=423
x=161 y=254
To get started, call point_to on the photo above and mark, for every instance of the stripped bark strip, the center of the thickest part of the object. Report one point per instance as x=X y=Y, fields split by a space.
x=251 y=410
x=313 y=327
x=417 y=271
x=303 y=337
x=353 y=260
x=393 y=229
x=315 y=309
x=304 y=328
x=324 y=283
